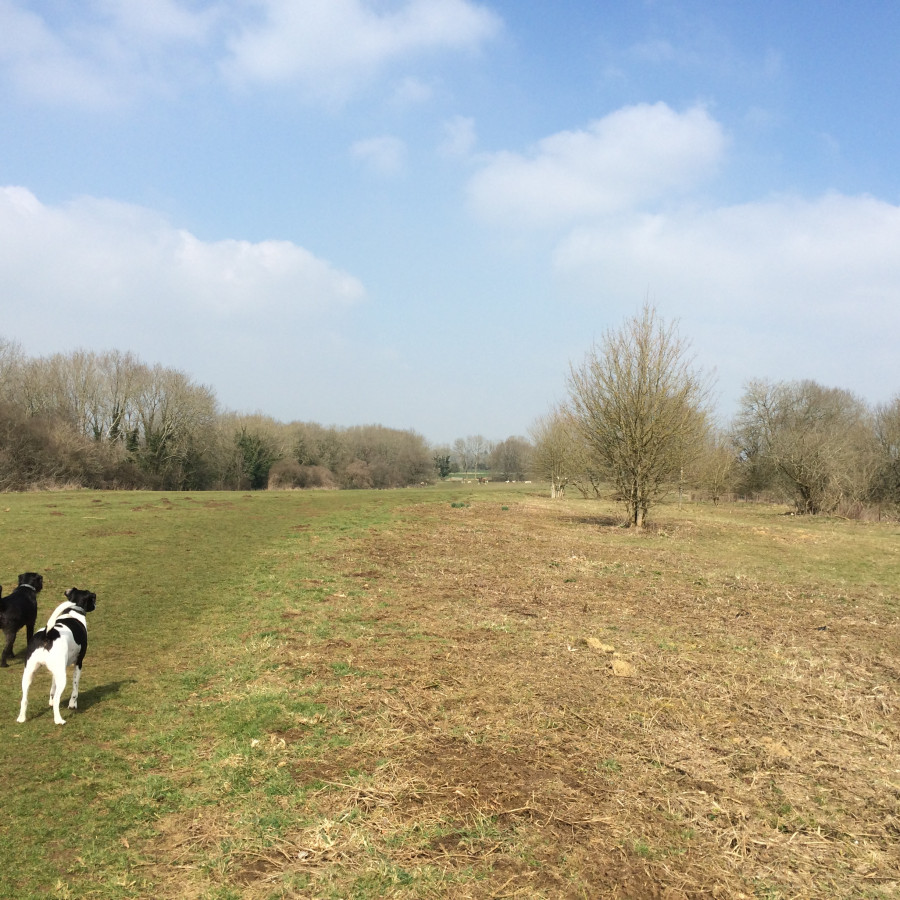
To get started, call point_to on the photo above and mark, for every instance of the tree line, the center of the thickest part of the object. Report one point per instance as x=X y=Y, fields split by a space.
x=109 y=420
x=638 y=424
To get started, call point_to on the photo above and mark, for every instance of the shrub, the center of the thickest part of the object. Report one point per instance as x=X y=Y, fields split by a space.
x=288 y=474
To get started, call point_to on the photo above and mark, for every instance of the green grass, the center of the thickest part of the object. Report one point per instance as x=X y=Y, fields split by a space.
x=189 y=593
x=207 y=604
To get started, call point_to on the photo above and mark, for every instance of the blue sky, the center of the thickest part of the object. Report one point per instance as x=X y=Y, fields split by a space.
x=417 y=213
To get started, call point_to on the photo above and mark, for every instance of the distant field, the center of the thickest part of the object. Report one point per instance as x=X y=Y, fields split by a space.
x=465 y=691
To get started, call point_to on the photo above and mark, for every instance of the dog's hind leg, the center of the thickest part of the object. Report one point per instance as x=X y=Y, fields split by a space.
x=8 y=649
x=27 y=675
x=58 y=674
x=76 y=678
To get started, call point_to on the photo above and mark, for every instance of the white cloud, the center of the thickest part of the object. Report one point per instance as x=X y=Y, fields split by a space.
x=329 y=48
x=43 y=66
x=833 y=249
x=98 y=53
x=784 y=287
x=101 y=53
x=159 y=20
x=626 y=159
x=383 y=155
x=104 y=264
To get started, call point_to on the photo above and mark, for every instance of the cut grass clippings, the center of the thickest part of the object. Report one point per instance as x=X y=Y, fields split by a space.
x=442 y=693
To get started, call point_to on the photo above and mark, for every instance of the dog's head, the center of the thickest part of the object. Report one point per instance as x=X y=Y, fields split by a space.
x=87 y=600
x=32 y=579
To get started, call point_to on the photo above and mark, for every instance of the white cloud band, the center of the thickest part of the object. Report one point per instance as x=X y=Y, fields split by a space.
x=99 y=255
x=628 y=158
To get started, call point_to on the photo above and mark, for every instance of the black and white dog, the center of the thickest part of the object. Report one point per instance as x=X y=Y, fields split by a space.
x=17 y=609
x=62 y=642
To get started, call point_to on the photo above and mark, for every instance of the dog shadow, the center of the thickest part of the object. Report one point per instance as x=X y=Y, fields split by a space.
x=99 y=693
x=86 y=698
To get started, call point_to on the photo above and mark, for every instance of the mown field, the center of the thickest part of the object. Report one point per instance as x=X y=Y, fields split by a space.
x=455 y=692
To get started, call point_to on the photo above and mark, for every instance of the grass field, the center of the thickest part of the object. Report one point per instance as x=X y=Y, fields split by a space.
x=460 y=691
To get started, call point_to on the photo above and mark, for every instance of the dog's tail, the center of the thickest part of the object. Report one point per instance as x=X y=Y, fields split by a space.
x=42 y=640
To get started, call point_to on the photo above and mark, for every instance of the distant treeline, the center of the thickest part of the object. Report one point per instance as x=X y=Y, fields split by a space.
x=823 y=450
x=108 y=420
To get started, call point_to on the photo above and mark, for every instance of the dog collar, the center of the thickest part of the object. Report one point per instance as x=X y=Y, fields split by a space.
x=29 y=586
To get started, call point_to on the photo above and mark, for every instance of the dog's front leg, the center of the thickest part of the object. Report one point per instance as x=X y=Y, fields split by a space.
x=27 y=675
x=76 y=678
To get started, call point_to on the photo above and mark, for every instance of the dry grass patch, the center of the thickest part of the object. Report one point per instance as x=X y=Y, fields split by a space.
x=528 y=701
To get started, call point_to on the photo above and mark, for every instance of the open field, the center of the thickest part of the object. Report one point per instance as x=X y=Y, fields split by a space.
x=460 y=691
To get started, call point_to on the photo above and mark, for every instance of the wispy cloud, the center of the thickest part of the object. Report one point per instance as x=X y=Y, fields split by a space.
x=160 y=21
x=628 y=158
x=385 y=155
x=411 y=92
x=101 y=53
x=459 y=136
x=43 y=65
x=328 y=49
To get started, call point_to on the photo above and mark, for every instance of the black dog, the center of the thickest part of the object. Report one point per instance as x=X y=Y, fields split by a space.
x=17 y=609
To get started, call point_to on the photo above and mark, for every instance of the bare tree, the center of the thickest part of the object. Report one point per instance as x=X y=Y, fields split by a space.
x=176 y=424
x=510 y=459
x=34 y=390
x=478 y=448
x=122 y=373
x=391 y=458
x=555 y=449
x=886 y=483
x=587 y=474
x=817 y=441
x=11 y=361
x=716 y=467
x=462 y=456
x=641 y=407
x=75 y=391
